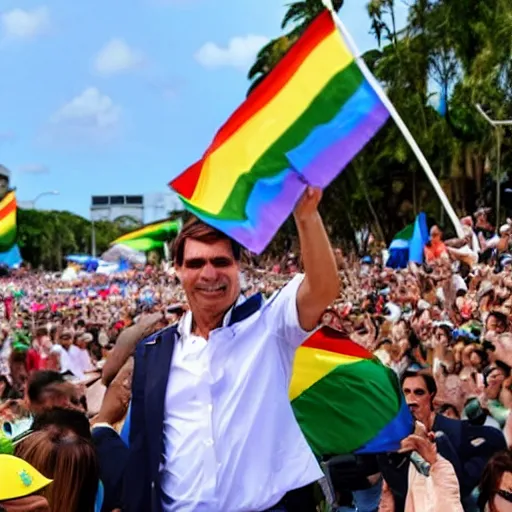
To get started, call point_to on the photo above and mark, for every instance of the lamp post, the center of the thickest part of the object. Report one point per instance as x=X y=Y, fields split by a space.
x=42 y=194
x=497 y=125
x=93 y=237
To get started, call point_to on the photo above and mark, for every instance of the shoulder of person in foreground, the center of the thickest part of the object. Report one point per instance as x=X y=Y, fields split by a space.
x=155 y=338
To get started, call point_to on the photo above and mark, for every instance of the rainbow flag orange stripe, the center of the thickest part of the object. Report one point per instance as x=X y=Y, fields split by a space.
x=302 y=125
x=344 y=399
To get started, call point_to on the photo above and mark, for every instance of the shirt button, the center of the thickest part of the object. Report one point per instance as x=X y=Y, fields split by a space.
x=210 y=407
x=209 y=442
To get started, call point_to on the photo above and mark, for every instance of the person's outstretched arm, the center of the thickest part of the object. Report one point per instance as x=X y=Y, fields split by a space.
x=321 y=284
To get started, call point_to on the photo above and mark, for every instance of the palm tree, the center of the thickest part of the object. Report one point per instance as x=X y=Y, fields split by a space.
x=299 y=15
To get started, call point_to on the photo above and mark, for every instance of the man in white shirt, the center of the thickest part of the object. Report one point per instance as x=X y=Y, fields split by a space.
x=80 y=355
x=212 y=428
x=64 y=349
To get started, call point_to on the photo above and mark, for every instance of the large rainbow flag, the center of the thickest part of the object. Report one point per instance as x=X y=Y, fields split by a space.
x=345 y=399
x=151 y=236
x=301 y=126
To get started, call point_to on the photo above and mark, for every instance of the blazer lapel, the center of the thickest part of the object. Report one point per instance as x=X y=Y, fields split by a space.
x=158 y=355
x=246 y=309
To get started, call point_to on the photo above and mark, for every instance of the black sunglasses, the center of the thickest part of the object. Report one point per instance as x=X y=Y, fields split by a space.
x=506 y=495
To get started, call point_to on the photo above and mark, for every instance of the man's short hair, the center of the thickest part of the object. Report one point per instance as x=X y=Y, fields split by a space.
x=195 y=229
x=41 y=331
x=39 y=381
x=71 y=419
x=430 y=382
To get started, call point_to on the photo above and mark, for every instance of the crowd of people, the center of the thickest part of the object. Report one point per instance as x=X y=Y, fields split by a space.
x=67 y=369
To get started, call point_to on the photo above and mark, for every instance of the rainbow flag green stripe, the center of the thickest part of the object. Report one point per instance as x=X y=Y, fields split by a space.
x=344 y=399
x=151 y=236
x=323 y=110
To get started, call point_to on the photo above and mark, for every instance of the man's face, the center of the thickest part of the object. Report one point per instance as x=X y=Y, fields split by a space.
x=495 y=378
x=496 y=325
x=417 y=397
x=436 y=234
x=442 y=337
x=65 y=340
x=19 y=374
x=209 y=275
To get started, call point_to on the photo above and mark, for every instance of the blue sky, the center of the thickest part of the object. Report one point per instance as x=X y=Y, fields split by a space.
x=117 y=97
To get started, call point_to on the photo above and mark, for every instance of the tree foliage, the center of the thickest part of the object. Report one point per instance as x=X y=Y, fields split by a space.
x=45 y=238
x=456 y=50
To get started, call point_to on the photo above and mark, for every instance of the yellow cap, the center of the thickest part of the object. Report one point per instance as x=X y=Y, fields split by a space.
x=18 y=478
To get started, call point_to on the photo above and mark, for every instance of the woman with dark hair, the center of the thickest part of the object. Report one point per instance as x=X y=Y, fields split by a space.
x=496 y=484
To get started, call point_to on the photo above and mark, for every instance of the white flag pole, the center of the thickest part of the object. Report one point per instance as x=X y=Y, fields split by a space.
x=396 y=117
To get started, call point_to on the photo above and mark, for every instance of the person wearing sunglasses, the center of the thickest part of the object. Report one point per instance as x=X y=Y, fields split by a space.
x=496 y=484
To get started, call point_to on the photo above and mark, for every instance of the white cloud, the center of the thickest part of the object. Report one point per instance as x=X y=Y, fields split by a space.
x=117 y=57
x=239 y=53
x=91 y=118
x=19 y=24
x=91 y=109
x=33 y=169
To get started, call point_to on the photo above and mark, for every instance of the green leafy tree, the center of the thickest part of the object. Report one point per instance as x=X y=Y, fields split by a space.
x=45 y=238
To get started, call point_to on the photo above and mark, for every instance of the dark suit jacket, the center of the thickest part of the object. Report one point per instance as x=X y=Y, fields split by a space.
x=113 y=458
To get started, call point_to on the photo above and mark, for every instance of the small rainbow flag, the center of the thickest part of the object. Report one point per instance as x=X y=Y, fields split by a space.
x=302 y=125
x=8 y=222
x=151 y=236
x=345 y=399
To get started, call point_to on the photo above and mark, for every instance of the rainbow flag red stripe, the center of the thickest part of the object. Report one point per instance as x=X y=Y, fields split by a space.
x=302 y=125
x=346 y=400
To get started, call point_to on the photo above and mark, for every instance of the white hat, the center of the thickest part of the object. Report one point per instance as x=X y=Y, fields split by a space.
x=395 y=312
x=423 y=305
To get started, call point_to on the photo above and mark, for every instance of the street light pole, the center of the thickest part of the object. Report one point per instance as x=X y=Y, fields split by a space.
x=93 y=237
x=43 y=194
x=497 y=125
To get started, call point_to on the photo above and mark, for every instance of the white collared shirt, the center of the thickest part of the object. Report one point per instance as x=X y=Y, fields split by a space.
x=231 y=441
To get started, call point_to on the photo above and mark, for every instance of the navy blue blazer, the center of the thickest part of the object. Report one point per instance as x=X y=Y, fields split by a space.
x=112 y=458
x=153 y=356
